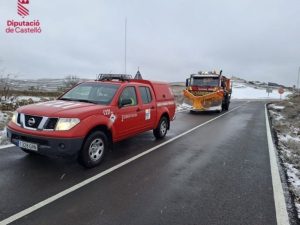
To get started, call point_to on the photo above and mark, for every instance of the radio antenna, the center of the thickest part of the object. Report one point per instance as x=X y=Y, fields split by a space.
x=125 y=53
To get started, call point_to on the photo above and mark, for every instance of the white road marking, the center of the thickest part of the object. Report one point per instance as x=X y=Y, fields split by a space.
x=280 y=206
x=6 y=146
x=99 y=175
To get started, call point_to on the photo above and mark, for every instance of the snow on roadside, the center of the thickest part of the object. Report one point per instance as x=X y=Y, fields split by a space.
x=3 y=138
x=278 y=106
x=286 y=123
x=183 y=107
x=4 y=118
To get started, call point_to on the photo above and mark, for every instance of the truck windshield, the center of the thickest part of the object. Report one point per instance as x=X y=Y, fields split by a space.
x=97 y=93
x=205 y=81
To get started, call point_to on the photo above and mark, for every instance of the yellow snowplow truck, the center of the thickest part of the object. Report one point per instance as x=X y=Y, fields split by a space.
x=207 y=91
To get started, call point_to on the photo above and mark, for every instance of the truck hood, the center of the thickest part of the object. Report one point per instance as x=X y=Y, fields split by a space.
x=59 y=108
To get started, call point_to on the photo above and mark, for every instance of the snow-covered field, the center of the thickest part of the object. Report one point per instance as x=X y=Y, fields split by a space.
x=285 y=118
x=247 y=92
x=26 y=98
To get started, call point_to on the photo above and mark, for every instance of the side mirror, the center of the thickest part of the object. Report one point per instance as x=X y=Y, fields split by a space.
x=187 y=82
x=125 y=102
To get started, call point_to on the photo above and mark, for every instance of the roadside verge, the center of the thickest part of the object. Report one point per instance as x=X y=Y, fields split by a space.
x=279 y=199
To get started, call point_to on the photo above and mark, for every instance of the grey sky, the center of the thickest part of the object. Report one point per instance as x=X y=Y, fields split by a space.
x=168 y=40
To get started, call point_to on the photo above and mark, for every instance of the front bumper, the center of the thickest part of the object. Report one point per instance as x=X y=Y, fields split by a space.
x=48 y=146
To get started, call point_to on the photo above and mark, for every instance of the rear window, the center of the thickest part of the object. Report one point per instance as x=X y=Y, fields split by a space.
x=146 y=94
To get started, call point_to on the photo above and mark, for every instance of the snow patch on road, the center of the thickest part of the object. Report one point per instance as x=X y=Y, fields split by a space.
x=183 y=107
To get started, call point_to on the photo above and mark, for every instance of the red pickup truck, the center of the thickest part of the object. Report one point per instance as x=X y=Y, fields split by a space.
x=92 y=115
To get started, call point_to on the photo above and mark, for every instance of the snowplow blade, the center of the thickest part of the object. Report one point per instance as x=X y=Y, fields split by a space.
x=211 y=101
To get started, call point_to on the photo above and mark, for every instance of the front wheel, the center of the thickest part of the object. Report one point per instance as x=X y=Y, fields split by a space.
x=161 y=130
x=225 y=106
x=94 y=149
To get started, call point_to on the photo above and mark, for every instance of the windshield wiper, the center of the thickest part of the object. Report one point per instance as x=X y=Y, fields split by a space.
x=85 y=100
x=67 y=99
x=78 y=100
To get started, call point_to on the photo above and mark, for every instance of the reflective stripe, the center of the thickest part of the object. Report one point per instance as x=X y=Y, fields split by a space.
x=159 y=104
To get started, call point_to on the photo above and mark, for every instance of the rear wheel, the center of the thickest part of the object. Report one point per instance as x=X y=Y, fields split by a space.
x=161 y=130
x=94 y=149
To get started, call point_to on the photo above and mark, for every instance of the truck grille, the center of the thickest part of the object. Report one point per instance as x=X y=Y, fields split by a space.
x=32 y=121
x=36 y=122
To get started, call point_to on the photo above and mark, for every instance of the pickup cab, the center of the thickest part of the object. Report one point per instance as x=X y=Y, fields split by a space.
x=91 y=116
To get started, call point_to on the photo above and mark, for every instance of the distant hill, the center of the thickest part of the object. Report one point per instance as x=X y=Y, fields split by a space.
x=37 y=84
x=56 y=84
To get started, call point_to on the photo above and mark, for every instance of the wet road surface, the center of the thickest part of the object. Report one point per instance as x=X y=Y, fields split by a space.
x=216 y=174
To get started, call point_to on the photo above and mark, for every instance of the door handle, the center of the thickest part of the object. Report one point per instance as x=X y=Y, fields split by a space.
x=152 y=107
x=138 y=109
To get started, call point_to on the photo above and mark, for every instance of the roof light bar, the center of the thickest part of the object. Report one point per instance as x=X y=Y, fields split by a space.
x=110 y=76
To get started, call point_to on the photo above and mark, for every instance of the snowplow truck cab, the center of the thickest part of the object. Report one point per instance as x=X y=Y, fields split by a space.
x=207 y=91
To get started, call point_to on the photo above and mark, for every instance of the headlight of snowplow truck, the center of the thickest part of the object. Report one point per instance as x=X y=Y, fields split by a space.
x=66 y=123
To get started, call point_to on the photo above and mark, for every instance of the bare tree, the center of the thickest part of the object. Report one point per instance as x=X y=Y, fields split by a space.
x=5 y=87
x=70 y=81
x=5 y=84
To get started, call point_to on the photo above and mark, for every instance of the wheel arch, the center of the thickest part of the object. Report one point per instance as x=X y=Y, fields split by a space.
x=103 y=128
x=166 y=114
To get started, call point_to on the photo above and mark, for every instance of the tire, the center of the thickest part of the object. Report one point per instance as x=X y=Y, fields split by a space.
x=225 y=105
x=94 y=149
x=161 y=130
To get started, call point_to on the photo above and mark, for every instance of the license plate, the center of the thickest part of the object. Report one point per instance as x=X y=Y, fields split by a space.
x=28 y=145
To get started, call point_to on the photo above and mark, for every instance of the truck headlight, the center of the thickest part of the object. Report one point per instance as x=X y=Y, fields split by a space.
x=15 y=118
x=66 y=123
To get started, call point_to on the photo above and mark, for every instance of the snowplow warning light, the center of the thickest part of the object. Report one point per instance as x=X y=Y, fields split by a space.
x=214 y=72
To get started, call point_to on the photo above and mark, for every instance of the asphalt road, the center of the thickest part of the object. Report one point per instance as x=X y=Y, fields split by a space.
x=216 y=174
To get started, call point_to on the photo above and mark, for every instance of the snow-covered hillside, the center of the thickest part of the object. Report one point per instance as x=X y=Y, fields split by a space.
x=242 y=91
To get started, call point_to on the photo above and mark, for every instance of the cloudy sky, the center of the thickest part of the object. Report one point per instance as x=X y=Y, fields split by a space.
x=167 y=40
